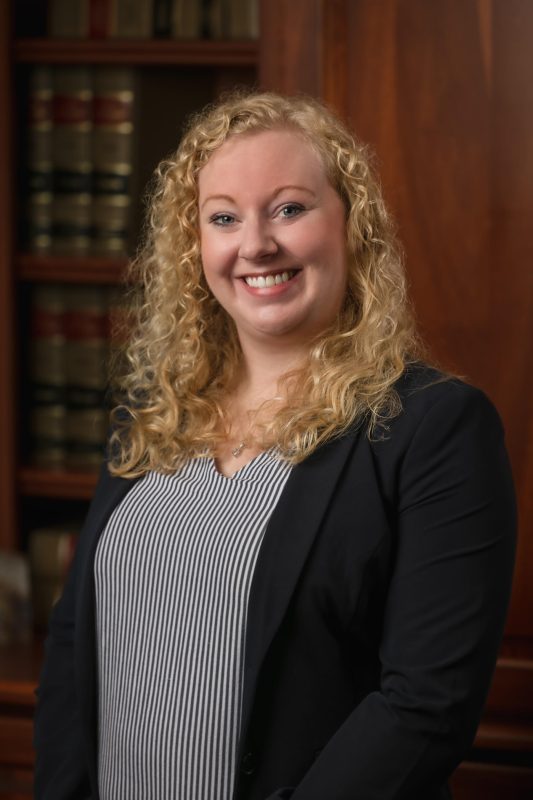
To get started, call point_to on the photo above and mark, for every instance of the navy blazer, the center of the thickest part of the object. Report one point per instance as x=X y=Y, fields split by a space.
x=377 y=607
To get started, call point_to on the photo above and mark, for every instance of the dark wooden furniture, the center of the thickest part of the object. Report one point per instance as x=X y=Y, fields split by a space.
x=28 y=494
x=443 y=93
x=19 y=668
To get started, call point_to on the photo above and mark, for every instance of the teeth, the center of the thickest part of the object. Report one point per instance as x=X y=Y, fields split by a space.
x=262 y=282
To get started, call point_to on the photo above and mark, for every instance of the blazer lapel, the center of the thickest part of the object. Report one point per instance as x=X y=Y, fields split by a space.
x=288 y=539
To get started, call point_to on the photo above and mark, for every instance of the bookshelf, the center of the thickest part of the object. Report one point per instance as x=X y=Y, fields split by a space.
x=64 y=269
x=209 y=66
x=33 y=482
x=181 y=75
x=200 y=52
x=31 y=496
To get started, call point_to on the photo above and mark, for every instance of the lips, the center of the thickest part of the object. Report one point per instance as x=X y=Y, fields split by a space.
x=267 y=281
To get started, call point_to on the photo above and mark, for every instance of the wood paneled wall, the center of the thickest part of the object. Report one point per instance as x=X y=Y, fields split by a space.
x=443 y=92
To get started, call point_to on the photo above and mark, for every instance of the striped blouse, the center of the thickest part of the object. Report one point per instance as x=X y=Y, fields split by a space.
x=173 y=571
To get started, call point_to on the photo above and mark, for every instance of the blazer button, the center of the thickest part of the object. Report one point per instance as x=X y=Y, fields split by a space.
x=248 y=764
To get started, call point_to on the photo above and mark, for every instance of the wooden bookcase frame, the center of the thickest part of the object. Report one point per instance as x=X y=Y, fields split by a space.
x=8 y=381
x=229 y=57
x=19 y=483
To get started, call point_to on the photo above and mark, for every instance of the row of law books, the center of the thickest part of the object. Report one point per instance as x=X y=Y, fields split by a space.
x=93 y=138
x=50 y=553
x=73 y=336
x=143 y=19
x=79 y=166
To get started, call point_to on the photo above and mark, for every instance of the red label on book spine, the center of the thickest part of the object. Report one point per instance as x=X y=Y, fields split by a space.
x=45 y=323
x=70 y=109
x=113 y=109
x=85 y=324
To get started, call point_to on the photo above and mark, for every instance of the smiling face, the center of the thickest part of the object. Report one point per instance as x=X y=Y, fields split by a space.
x=272 y=234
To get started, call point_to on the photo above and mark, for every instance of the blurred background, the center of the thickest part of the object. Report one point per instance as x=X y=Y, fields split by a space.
x=93 y=93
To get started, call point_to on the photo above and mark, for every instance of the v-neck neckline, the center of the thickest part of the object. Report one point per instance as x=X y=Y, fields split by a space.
x=242 y=471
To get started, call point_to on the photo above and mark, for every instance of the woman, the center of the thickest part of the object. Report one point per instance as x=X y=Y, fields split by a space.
x=293 y=578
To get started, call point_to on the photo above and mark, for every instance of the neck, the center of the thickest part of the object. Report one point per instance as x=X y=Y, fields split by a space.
x=262 y=369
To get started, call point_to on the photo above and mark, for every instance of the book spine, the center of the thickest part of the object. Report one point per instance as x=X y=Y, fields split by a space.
x=38 y=235
x=87 y=351
x=72 y=157
x=15 y=599
x=217 y=19
x=47 y=378
x=50 y=554
x=99 y=19
x=162 y=24
x=243 y=16
x=118 y=335
x=132 y=19
x=68 y=18
x=187 y=19
x=113 y=133
x=254 y=25
x=51 y=549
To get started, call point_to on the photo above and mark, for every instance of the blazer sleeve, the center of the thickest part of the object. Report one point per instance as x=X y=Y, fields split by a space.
x=61 y=761
x=444 y=615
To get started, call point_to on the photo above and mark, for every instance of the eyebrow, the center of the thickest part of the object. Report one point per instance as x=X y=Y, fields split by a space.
x=275 y=193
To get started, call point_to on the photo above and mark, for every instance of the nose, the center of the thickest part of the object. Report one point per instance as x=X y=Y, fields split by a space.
x=257 y=241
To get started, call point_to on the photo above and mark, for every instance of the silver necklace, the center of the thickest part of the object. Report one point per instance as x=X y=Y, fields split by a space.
x=238 y=450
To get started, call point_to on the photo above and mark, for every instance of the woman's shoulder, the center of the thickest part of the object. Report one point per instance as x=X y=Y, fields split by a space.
x=437 y=405
x=446 y=427
x=422 y=387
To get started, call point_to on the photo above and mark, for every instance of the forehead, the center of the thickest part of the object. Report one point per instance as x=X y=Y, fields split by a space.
x=263 y=157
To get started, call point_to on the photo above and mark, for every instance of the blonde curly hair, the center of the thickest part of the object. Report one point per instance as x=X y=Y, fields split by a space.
x=183 y=353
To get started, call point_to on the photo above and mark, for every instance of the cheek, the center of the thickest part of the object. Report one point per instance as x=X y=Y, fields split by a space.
x=329 y=250
x=309 y=242
x=215 y=251
x=323 y=234
x=205 y=245
x=337 y=244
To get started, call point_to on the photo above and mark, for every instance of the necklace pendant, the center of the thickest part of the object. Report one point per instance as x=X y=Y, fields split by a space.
x=238 y=450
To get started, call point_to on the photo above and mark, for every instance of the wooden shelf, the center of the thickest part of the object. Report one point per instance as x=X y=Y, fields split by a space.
x=19 y=670
x=155 y=52
x=505 y=733
x=20 y=665
x=70 y=269
x=66 y=485
x=510 y=692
